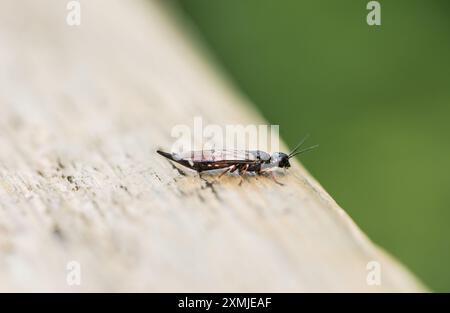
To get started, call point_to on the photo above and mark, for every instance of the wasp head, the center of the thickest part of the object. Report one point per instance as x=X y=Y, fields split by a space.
x=280 y=158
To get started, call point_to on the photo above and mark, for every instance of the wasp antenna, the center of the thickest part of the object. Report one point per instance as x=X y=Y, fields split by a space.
x=298 y=145
x=303 y=151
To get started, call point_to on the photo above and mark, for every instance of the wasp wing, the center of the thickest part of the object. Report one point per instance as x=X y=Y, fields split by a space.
x=206 y=160
x=238 y=156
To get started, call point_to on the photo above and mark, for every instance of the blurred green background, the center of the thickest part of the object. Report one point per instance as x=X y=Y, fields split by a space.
x=376 y=99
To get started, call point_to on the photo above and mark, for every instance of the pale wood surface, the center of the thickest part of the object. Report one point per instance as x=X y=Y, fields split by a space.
x=82 y=111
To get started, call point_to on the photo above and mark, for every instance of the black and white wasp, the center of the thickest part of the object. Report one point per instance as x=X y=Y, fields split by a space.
x=243 y=161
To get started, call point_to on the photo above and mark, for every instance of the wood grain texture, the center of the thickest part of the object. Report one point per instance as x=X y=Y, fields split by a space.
x=82 y=112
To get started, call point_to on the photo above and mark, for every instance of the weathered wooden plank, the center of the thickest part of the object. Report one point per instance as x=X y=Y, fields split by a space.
x=83 y=110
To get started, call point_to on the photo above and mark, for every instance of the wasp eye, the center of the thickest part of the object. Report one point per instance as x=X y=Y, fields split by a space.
x=284 y=163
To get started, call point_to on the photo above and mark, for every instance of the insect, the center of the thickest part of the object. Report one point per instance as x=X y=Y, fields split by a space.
x=243 y=161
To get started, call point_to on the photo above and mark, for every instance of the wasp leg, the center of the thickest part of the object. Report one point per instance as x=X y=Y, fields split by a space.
x=262 y=172
x=241 y=174
x=275 y=180
x=231 y=169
